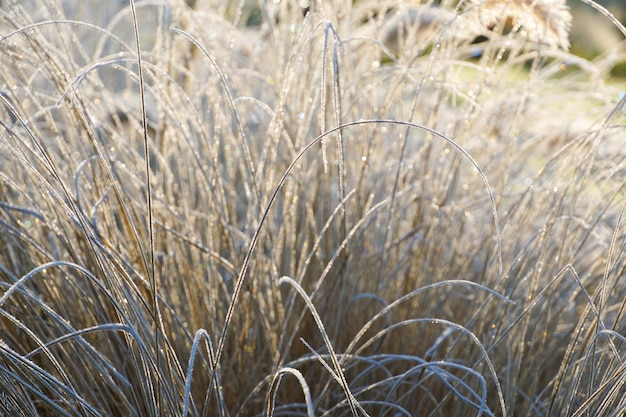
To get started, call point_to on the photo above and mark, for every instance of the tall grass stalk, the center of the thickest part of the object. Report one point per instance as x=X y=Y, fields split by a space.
x=356 y=208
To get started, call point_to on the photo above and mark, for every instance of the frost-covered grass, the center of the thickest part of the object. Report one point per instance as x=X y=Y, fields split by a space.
x=374 y=209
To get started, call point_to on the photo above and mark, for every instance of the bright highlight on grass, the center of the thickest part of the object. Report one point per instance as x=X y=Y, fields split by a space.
x=214 y=208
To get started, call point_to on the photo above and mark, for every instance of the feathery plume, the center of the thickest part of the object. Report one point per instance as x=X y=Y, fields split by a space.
x=543 y=21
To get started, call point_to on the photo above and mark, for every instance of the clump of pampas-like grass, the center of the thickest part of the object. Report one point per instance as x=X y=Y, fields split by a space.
x=545 y=22
x=232 y=209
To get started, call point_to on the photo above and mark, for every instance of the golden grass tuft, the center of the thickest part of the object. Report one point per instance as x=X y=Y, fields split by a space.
x=232 y=209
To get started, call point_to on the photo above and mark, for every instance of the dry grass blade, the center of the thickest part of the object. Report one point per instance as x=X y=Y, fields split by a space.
x=338 y=372
x=271 y=397
x=202 y=335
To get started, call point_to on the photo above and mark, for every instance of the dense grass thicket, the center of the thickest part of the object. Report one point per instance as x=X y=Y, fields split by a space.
x=324 y=208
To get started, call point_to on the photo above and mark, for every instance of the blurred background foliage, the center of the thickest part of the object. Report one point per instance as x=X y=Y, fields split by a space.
x=592 y=35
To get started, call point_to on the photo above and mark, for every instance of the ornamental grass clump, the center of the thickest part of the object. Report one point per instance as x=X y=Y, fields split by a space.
x=326 y=208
